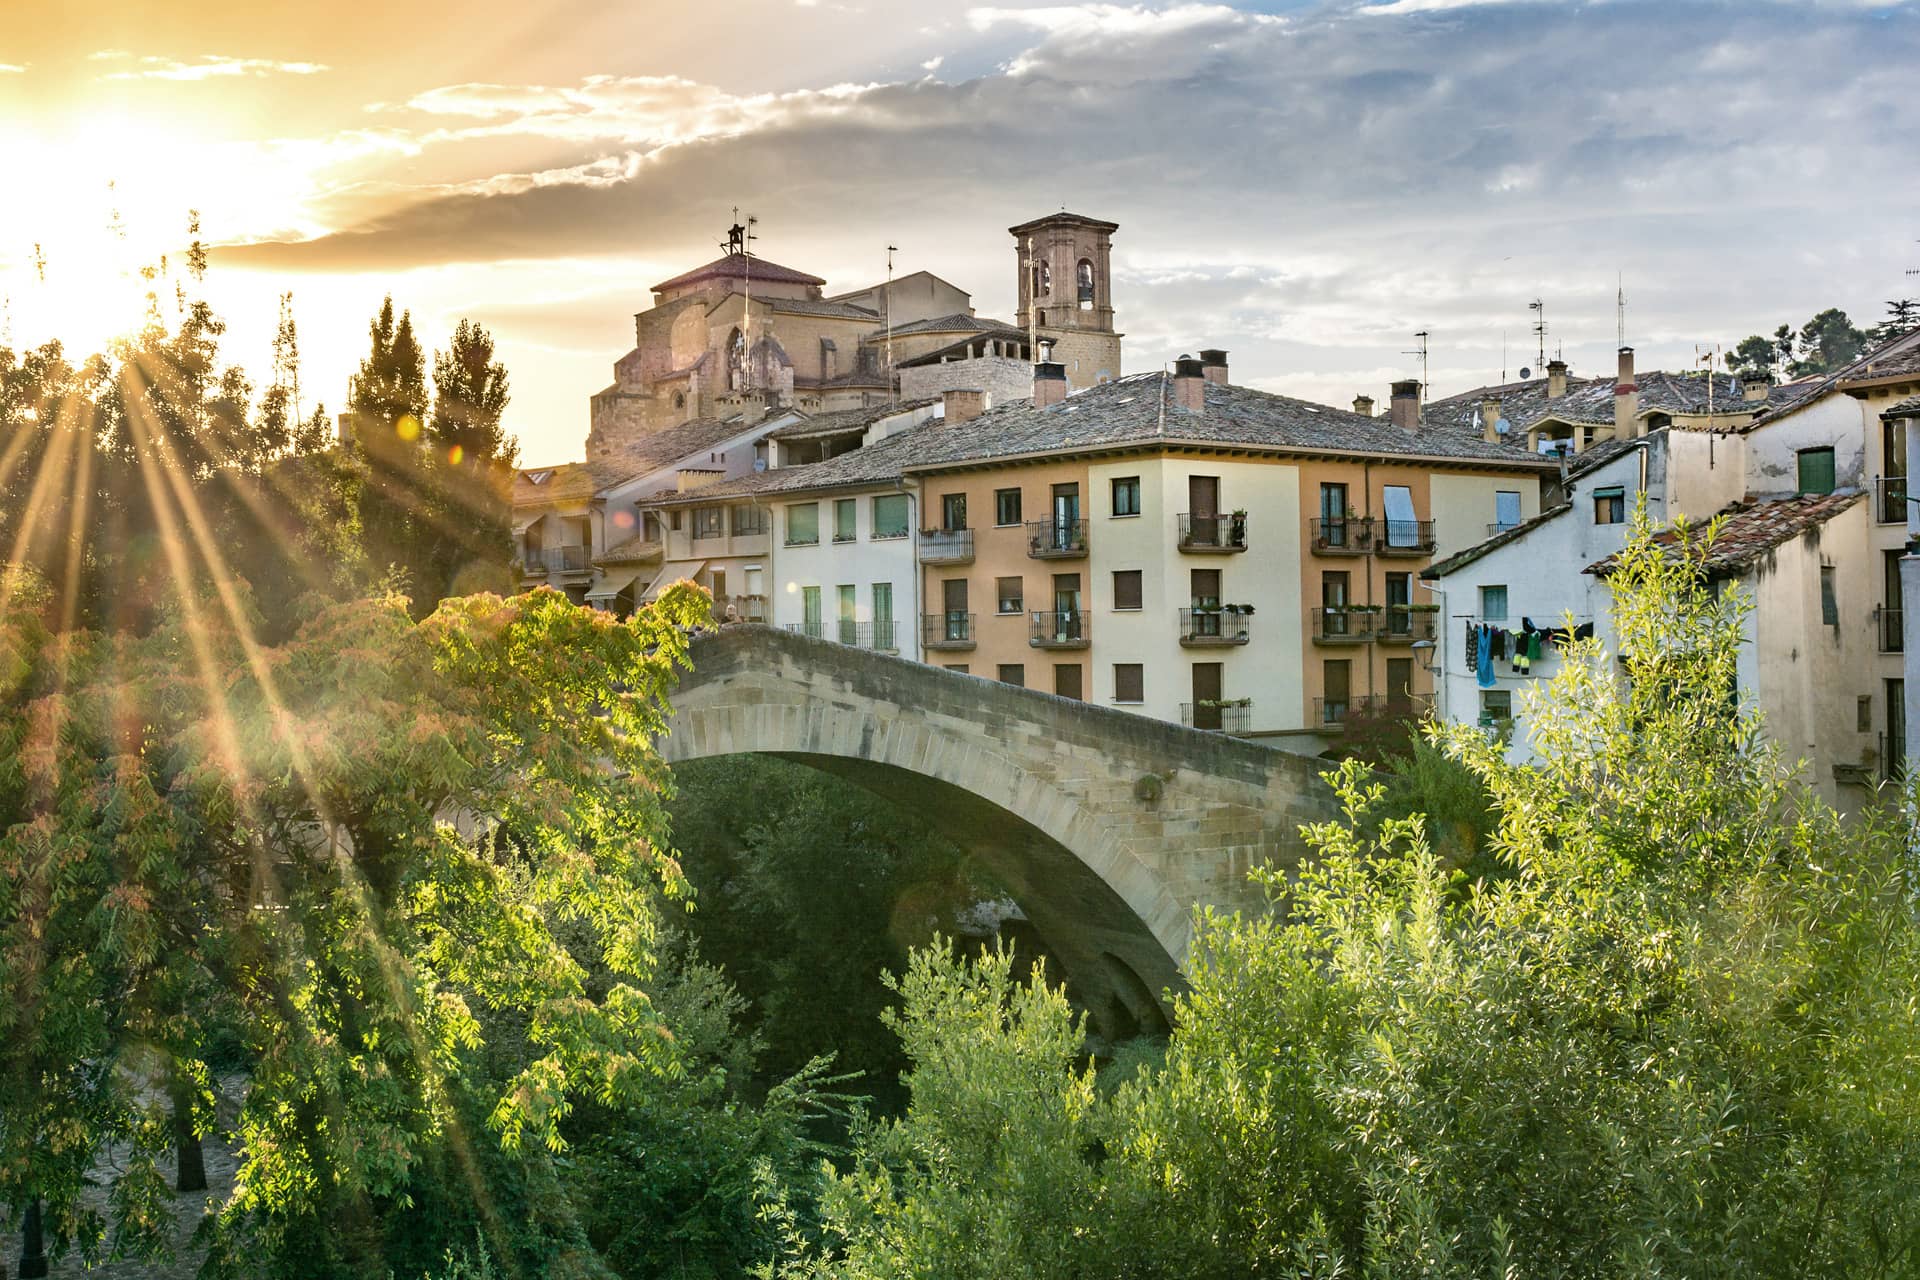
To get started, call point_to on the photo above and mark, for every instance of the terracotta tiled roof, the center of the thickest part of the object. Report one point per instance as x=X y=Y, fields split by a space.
x=1749 y=530
x=958 y=322
x=1461 y=559
x=843 y=421
x=1590 y=400
x=1908 y=408
x=735 y=266
x=639 y=549
x=822 y=307
x=578 y=481
x=1897 y=358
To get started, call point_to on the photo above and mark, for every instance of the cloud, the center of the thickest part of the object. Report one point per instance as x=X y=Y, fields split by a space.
x=206 y=67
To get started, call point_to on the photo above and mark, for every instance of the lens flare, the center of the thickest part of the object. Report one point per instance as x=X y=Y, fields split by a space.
x=408 y=428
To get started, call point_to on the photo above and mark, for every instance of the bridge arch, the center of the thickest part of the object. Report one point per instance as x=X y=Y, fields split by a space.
x=1107 y=827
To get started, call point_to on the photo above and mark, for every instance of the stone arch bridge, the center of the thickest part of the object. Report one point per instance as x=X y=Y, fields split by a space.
x=1106 y=827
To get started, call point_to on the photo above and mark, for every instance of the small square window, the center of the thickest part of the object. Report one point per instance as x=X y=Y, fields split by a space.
x=1816 y=471
x=1129 y=682
x=1493 y=604
x=673 y=519
x=1006 y=507
x=1610 y=505
x=1013 y=673
x=1126 y=496
x=1496 y=707
x=844 y=519
x=1126 y=588
x=1066 y=680
x=1010 y=594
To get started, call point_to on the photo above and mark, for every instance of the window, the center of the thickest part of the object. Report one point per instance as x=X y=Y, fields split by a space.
x=673 y=519
x=1863 y=713
x=1006 y=507
x=1399 y=682
x=890 y=516
x=1496 y=708
x=883 y=616
x=849 y=630
x=1829 y=604
x=1013 y=673
x=1203 y=586
x=709 y=522
x=1066 y=679
x=1011 y=595
x=1506 y=509
x=1083 y=278
x=953 y=511
x=1610 y=505
x=1336 y=682
x=748 y=519
x=803 y=524
x=1333 y=515
x=1493 y=604
x=1126 y=588
x=1399 y=619
x=845 y=517
x=1129 y=682
x=1816 y=470
x=810 y=611
x=1403 y=528
x=1126 y=496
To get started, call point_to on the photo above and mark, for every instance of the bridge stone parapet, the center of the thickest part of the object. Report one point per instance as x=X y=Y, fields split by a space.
x=1107 y=827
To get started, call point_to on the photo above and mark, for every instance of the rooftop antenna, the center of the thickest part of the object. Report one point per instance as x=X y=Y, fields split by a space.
x=1708 y=356
x=1503 y=357
x=1912 y=271
x=1620 y=306
x=1033 y=301
x=893 y=394
x=740 y=238
x=1540 y=330
x=1421 y=351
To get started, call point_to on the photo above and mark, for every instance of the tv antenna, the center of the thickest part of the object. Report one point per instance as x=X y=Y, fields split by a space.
x=1912 y=271
x=1540 y=329
x=1620 y=307
x=1421 y=351
x=740 y=238
x=893 y=394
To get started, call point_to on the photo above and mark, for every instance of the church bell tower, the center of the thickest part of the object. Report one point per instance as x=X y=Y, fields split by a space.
x=1065 y=292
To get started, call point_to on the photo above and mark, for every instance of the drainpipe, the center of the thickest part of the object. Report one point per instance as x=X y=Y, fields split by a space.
x=1442 y=627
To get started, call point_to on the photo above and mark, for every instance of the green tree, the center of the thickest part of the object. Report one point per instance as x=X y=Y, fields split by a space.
x=469 y=397
x=391 y=386
x=1827 y=343
x=1903 y=316
x=1752 y=359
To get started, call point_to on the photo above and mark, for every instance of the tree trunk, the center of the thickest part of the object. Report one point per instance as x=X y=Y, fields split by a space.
x=192 y=1171
x=33 y=1249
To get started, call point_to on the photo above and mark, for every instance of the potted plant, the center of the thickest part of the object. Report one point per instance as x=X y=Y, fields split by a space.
x=1237 y=530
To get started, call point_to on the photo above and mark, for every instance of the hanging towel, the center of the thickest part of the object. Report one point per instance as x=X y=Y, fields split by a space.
x=1484 y=673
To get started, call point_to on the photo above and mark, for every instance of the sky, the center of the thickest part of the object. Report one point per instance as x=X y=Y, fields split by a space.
x=1307 y=185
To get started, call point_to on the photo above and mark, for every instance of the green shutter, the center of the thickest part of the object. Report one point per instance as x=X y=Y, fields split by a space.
x=1816 y=471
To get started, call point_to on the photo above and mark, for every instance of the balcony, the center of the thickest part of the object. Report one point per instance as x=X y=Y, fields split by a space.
x=537 y=563
x=742 y=609
x=1890 y=499
x=1057 y=539
x=1499 y=527
x=1889 y=629
x=946 y=546
x=1059 y=630
x=1225 y=715
x=880 y=634
x=1408 y=624
x=1342 y=536
x=1344 y=624
x=1215 y=534
x=1333 y=715
x=949 y=631
x=1403 y=538
x=1214 y=628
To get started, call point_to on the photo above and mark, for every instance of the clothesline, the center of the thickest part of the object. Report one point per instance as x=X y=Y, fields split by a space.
x=1524 y=646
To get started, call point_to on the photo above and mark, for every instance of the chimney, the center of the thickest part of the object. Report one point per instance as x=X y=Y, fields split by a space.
x=1405 y=405
x=1490 y=419
x=1213 y=365
x=1626 y=399
x=1049 y=383
x=1363 y=405
x=963 y=406
x=1189 y=385
x=1753 y=389
x=1556 y=379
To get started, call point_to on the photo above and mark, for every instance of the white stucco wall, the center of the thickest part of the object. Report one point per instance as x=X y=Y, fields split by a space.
x=859 y=563
x=1267 y=668
x=1463 y=506
x=1832 y=420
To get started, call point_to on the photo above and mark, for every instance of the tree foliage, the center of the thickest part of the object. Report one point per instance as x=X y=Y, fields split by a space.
x=1677 y=1037
x=1825 y=344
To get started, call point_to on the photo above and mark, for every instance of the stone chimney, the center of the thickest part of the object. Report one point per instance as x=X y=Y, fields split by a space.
x=1626 y=399
x=1556 y=379
x=1189 y=385
x=1363 y=405
x=963 y=406
x=1753 y=389
x=1049 y=383
x=1490 y=419
x=1213 y=365
x=1405 y=405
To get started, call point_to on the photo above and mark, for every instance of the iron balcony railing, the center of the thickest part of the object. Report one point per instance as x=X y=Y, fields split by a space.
x=1204 y=533
x=1234 y=715
x=1344 y=624
x=742 y=609
x=1336 y=713
x=880 y=634
x=1404 y=624
x=1404 y=538
x=1058 y=539
x=952 y=629
x=1204 y=628
x=1059 y=629
x=1889 y=628
x=1342 y=535
x=557 y=560
x=1890 y=499
x=947 y=546
x=1501 y=526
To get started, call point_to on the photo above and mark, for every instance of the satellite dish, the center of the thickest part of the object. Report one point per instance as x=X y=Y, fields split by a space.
x=759 y=464
x=1503 y=426
x=1525 y=373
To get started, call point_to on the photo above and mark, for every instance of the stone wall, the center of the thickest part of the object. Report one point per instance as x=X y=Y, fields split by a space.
x=1003 y=378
